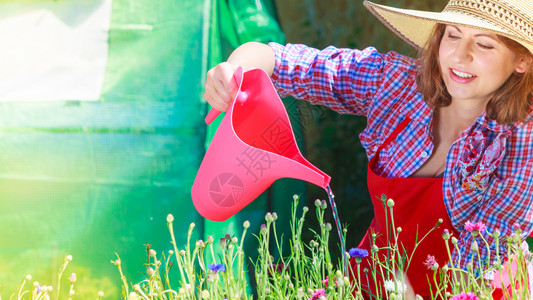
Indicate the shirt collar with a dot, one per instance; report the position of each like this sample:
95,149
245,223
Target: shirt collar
484,122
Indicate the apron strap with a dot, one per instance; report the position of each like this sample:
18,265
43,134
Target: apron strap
395,133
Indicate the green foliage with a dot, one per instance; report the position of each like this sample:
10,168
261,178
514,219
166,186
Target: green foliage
309,271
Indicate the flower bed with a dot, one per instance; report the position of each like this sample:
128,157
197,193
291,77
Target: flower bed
308,272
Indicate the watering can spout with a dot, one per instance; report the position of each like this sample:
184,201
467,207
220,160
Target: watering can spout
253,147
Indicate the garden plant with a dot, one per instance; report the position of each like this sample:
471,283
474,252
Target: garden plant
309,271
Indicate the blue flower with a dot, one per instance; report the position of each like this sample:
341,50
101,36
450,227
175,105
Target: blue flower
216,267
357,252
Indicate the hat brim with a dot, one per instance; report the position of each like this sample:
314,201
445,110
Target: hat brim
415,26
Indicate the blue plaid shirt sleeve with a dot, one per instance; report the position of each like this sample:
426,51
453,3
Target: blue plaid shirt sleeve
344,80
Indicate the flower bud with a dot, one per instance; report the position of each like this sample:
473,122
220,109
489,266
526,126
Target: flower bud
446,234
300,293
390,203
474,247
170,218
246,224
324,204
263,229
152,253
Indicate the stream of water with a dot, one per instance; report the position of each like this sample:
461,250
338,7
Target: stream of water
331,198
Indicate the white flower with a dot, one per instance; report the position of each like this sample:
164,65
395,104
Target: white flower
489,275
398,286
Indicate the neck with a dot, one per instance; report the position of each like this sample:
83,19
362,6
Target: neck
457,117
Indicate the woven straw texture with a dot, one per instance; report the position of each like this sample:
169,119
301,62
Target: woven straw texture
510,18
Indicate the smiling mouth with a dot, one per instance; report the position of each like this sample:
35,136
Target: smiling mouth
462,74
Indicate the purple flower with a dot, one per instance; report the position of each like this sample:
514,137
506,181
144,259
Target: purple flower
358,252
431,263
465,296
276,268
216,267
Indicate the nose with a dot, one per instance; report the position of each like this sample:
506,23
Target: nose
462,52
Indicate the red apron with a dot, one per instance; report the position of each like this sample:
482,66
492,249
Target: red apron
418,206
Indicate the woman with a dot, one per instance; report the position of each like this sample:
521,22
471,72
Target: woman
447,135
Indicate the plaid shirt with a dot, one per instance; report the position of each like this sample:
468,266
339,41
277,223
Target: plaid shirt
488,175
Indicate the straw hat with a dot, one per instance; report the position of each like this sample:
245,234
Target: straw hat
510,18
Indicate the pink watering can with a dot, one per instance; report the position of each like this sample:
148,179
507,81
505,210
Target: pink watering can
253,147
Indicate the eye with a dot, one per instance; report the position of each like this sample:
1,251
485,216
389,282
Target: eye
453,36
485,46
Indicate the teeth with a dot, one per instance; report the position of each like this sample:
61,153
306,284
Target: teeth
461,74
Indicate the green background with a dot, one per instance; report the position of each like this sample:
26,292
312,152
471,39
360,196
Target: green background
93,178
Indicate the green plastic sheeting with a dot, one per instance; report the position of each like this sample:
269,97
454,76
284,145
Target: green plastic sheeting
93,178
235,22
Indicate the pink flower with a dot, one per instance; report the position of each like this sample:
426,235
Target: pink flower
431,263
474,228
325,281
465,296
516,226
317,294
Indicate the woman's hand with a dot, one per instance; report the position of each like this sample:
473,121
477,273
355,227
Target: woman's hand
220,86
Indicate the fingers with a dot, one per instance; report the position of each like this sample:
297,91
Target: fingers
220,86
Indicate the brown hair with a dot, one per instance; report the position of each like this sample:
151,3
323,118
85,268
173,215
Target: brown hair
510,103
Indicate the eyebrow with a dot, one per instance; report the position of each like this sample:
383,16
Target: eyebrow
492,36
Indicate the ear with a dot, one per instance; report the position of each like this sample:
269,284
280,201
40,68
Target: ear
523,64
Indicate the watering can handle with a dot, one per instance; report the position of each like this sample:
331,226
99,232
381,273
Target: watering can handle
213,113
211,116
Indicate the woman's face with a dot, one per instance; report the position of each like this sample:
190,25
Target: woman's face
474,63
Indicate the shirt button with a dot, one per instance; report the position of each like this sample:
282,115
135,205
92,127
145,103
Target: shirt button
424,154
